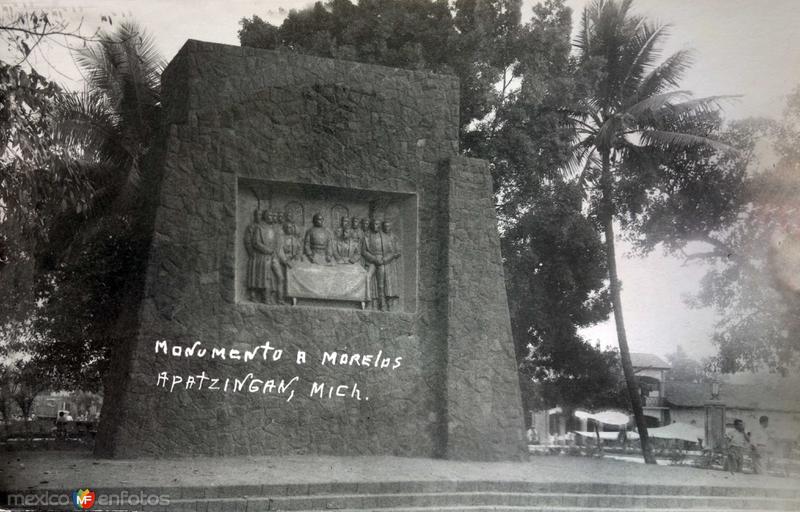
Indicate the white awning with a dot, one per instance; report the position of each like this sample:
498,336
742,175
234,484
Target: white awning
682,431
607,417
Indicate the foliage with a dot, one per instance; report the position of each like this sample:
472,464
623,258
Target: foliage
93,264
87,294
739,217
26,31
38,179
555,266
627,125
592,380
42,175
85,260
527,137
20,378
517,84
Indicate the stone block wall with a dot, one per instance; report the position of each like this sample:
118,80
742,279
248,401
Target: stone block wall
235,113
481,361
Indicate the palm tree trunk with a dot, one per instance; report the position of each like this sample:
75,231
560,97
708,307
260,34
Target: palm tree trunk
607,217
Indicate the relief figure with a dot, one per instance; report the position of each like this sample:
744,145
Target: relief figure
291,250
252,281
318,243
262,280
346,250
380,250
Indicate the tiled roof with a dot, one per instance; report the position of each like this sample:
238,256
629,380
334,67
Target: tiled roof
644,360
741,396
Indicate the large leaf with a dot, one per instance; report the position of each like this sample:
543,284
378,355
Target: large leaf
677,140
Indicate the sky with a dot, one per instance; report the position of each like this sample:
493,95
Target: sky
741,47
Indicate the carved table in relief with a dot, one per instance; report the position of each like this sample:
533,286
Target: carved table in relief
336,282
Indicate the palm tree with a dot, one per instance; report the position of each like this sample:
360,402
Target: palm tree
631,115
108,129
112,122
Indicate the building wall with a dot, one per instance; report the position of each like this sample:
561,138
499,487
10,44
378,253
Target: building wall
784,425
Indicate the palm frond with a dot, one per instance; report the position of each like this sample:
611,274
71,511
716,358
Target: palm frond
579,154
102,71
701,105
624,8
84,124
678,140
656,103
583,40
592,163
126,67
643,51
671,112
666,75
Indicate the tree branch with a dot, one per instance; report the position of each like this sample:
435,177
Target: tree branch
34,33
701,255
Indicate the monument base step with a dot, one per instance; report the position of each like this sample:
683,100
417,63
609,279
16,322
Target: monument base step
448,496
480,501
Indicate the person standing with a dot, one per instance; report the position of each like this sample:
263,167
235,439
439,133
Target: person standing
252,281
380,249
262,278
290,251
761,440
391,251
355,230
373,258
738,442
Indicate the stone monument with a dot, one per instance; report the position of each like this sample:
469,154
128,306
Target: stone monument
323,275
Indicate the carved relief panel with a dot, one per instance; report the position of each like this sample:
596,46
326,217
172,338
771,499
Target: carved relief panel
301,245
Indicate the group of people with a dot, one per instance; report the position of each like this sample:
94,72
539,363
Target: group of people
273,246
756,443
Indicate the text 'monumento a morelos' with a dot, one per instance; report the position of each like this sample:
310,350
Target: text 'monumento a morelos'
323,275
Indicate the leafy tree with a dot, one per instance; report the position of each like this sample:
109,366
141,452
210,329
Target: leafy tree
40,176
731,213
94,260
517,86
20,377
38,179
555,273
627,123
70,187
23,32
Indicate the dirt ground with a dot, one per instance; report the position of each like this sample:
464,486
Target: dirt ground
60,470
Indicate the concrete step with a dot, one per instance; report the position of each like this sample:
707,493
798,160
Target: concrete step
526,509
481,501
476,496
416,487
448,486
